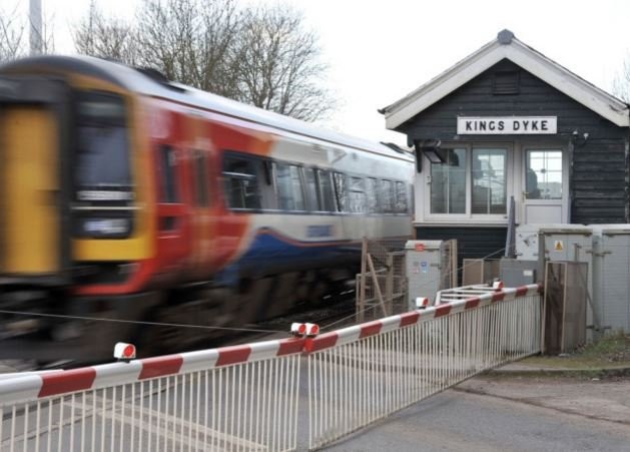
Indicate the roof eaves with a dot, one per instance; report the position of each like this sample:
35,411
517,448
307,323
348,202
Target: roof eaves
582,91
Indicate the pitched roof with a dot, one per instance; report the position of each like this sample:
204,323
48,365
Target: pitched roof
506,46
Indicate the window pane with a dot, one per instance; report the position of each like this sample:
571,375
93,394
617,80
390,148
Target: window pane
544,175
370,193
168,161
296,188
488,181
357,200
401,197
102,142
327,192
201,178
312,192
241,183
341,191
386,196
448,183
289,187
283,186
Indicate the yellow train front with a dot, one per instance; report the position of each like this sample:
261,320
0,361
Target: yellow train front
73,220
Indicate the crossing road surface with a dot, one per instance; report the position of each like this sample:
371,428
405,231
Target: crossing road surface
457,421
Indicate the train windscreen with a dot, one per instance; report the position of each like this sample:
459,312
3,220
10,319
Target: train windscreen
102,143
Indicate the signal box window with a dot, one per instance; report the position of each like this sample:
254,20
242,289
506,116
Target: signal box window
168,161
241,183
448,183
289,187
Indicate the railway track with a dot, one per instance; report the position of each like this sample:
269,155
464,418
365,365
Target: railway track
337,310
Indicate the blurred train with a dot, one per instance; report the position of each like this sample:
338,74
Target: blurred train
126,196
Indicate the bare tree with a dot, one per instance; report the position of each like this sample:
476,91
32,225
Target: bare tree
262,56
105,37
621,82
12,35
279,64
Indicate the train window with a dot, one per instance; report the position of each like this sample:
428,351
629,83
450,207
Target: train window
326,191
102,141
201,178
312,191
168,162
401,197
241,183
371,190
341,191
357,200
386,196
289,187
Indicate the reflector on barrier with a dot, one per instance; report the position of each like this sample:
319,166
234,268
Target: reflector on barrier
422,302
124,351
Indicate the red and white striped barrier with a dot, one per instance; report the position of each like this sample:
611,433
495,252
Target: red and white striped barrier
246,397
484,296
46,384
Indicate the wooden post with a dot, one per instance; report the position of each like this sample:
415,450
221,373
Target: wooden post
377,287
389,284
361,301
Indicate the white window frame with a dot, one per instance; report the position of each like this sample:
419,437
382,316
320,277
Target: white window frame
423,182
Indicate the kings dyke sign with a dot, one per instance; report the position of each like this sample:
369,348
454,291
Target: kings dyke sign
507,125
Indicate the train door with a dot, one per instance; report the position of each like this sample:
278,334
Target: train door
202,224
34,235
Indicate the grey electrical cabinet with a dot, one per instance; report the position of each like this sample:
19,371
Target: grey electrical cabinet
431,266
611,276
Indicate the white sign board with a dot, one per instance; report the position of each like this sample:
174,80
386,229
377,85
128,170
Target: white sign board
507,125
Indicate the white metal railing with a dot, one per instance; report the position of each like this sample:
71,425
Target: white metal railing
246,398
235,398
364,373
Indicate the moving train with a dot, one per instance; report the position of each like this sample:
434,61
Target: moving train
128,197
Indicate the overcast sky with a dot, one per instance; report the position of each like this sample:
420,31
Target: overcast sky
378,51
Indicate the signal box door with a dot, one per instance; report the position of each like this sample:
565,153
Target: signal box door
34,184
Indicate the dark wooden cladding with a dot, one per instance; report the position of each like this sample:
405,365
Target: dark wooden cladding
599,174
535,98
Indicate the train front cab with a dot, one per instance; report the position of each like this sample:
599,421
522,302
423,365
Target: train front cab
74,229
34,219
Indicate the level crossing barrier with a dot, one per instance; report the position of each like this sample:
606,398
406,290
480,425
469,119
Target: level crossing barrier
248,398
364,373
233,398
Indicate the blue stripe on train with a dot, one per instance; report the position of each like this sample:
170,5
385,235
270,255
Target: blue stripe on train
270,249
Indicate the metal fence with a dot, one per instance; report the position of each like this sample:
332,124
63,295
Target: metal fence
361,374
239,398
246,398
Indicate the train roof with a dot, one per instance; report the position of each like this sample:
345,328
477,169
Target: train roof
142,82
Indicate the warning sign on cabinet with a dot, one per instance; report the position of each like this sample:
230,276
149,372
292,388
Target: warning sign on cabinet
558,245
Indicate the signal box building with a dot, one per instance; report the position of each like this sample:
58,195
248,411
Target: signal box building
507,122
